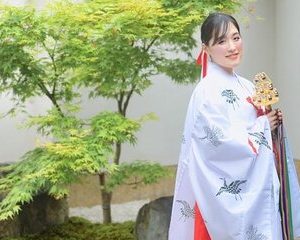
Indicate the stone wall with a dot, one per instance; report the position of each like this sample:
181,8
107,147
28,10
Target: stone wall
87,193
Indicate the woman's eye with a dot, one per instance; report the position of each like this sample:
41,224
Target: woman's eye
237,38
221,42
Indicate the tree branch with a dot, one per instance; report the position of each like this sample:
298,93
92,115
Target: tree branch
151,44
50,96
117,153
125,105
51,55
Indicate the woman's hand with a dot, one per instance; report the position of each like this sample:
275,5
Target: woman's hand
275,118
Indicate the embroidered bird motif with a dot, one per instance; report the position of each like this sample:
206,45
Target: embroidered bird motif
213,135
185,210
253,234
231,97
232,188
260,139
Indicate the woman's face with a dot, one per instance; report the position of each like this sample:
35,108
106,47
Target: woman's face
227,52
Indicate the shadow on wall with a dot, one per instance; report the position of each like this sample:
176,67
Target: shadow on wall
87,193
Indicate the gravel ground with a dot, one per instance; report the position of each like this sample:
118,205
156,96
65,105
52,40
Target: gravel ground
120,212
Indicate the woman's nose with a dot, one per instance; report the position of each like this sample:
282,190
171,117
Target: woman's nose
231,46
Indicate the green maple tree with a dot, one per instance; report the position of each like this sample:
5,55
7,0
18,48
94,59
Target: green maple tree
111,47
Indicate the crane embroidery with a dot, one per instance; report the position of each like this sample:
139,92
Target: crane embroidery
185,210
252,234
232,188
260,139
231,97
213,135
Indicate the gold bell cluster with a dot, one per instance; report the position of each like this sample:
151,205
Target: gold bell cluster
265,93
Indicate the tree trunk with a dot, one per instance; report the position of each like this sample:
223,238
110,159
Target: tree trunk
107,196
118,150
106,200
106,206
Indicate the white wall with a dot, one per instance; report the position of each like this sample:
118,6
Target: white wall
14,2
288,66
160,140
258,37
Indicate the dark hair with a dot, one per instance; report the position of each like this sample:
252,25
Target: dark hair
214,24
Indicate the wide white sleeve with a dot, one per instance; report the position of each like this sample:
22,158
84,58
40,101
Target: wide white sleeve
219,136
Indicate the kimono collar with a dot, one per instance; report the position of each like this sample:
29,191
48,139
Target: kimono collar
214,69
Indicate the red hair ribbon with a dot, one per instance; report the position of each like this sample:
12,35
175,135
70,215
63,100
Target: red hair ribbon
202,60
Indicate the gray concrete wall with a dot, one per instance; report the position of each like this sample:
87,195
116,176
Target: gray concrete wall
14,2
288,66
258,35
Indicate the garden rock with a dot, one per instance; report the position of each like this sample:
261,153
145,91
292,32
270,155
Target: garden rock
10,228
43,212
153,220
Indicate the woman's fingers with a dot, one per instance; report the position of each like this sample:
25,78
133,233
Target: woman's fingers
272,115
279,115
275,118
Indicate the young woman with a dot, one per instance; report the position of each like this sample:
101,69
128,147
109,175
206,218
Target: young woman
227,185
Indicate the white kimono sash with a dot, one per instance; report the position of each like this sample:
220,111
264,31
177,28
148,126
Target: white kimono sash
227,167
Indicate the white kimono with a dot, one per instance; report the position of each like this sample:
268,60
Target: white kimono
227,166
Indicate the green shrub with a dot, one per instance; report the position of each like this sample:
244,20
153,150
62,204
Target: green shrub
80,229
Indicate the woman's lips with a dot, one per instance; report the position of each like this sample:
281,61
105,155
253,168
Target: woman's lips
233,56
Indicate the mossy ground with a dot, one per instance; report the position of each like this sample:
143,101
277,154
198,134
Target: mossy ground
81,229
